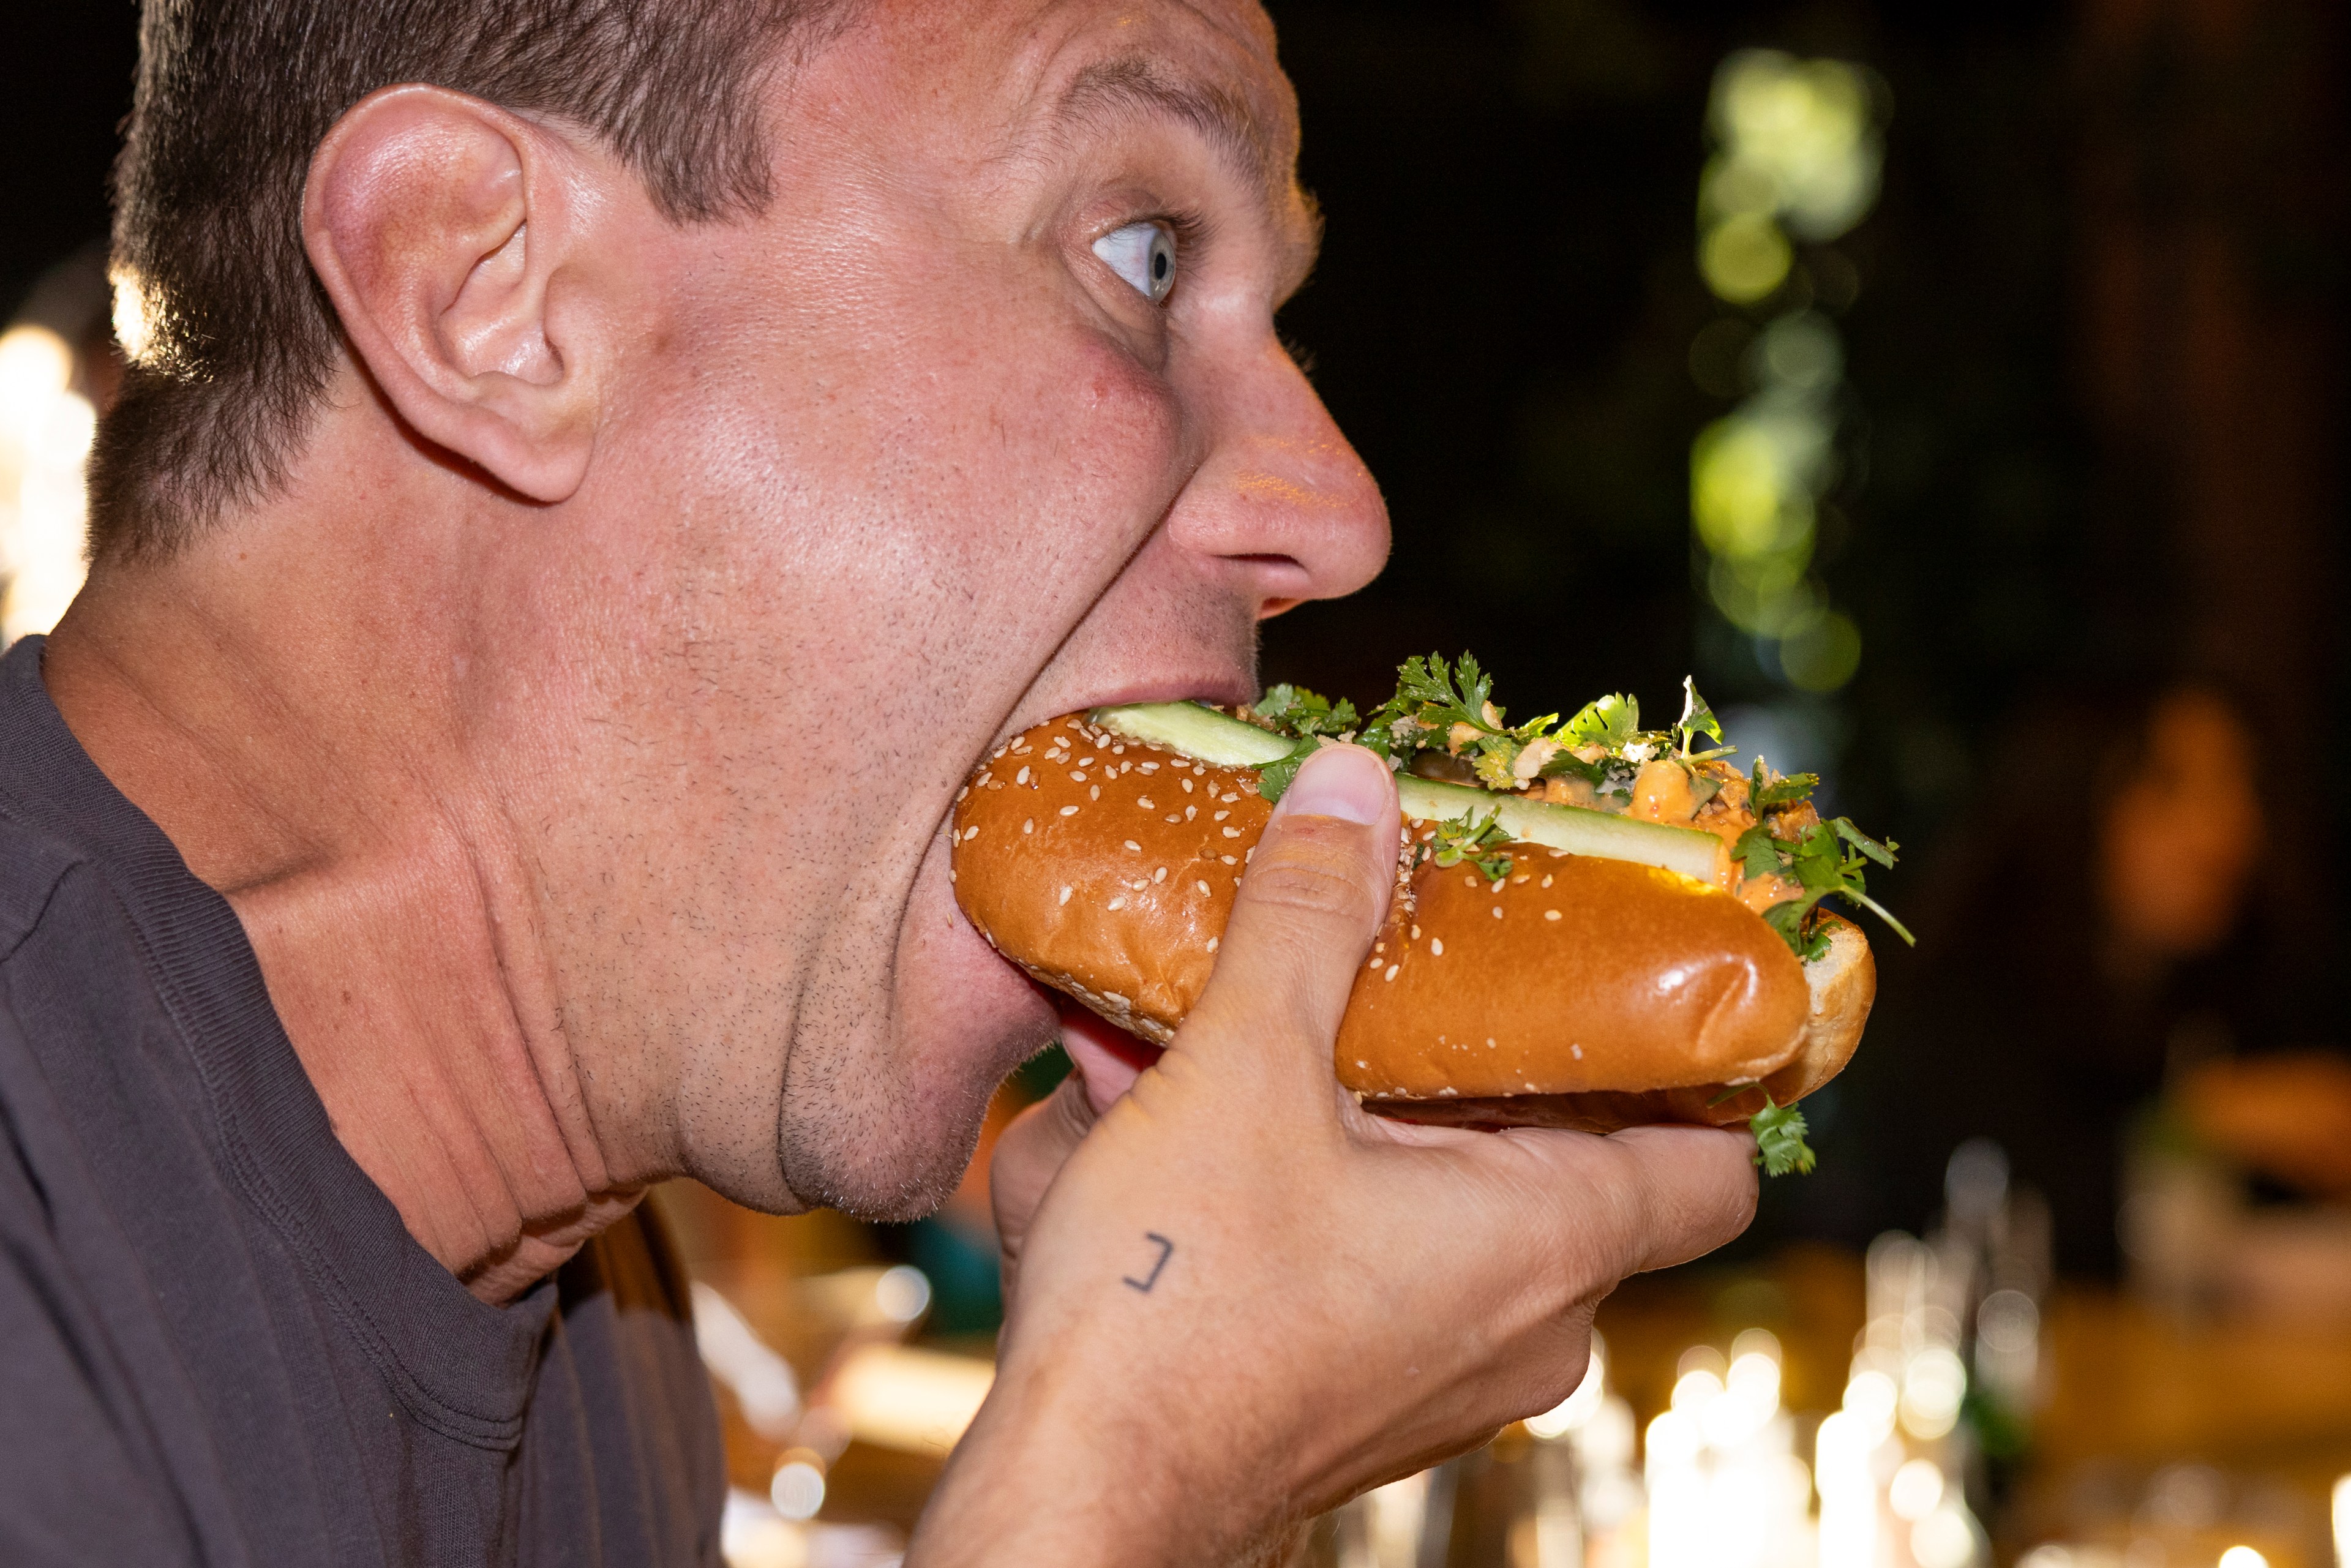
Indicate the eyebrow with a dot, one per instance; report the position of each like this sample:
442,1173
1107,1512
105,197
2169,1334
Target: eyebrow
1257,152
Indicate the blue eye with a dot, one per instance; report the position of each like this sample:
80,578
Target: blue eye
1145,255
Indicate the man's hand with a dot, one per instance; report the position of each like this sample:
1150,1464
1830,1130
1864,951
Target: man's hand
1242,1299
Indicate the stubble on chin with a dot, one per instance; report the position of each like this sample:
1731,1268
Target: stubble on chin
877,1145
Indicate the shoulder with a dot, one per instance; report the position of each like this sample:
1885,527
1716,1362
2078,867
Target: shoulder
32,866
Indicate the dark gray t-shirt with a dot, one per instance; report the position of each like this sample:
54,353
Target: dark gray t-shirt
218,1344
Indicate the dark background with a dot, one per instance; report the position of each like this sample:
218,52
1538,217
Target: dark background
2090,448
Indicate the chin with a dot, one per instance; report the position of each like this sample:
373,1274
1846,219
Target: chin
882,1127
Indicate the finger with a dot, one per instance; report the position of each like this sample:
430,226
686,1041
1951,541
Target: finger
1107,1058
1029,1154
1646,1197
1315,892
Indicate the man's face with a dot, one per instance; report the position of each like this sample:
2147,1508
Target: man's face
905,464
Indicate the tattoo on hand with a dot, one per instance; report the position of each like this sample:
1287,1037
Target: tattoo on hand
1166,1251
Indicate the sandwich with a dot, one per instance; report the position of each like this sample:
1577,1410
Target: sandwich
1595,926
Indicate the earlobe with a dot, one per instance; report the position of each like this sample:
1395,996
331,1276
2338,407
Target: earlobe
438,225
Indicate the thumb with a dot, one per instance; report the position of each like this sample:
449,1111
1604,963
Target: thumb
1315,892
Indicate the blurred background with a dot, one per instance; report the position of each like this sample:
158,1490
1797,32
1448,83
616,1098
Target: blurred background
1957,392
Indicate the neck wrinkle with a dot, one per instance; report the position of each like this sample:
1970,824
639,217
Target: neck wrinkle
389,905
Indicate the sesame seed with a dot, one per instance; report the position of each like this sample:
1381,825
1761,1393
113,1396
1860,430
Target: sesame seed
1159,875
1077,774
1576,1051
1437,947
1232,832
1190,812
1028,825
1546,881
1151,768
1498,912
1497,887
1392,970
1213,941
1227,860
1187,785
1558,855
1068,810
1065,895
1119,903
1136,847
1093,791
961,794
1220,816
1471,878
950,873
1379,947
1228,800
1118,750
1174,817
1145,803
1201,886
1416,933
1360,1062
1247,856
1551,915
1021,777
1518,879
971,832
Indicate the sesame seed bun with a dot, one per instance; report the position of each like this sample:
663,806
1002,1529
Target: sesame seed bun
1575,991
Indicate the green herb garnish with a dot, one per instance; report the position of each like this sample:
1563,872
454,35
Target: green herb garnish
1780,1145
1447,705
1466,837
1829,860
1297,711
1274,778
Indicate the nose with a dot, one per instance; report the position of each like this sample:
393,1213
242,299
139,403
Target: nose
1280,500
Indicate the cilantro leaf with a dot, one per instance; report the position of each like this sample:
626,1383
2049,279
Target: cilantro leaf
1275,777
1304,713
1697,718
1493,764
1829,861
1611,721
1789,792
1758,852
1464,838
1780,1145
1882,853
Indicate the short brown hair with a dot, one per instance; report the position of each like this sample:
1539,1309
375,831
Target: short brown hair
235,94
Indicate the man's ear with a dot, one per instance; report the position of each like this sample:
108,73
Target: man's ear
441,226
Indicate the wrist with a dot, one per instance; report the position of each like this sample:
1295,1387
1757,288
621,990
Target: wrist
1062,1468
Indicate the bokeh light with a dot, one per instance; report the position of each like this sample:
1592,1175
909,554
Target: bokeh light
46,429
1798,158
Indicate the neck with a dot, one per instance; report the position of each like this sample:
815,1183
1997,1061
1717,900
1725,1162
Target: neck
315,779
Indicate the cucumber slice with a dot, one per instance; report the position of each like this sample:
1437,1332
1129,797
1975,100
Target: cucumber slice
1196,730
1574,829
1201,732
